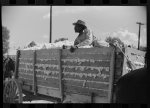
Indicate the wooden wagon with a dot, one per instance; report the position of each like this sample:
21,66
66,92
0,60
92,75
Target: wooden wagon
86,76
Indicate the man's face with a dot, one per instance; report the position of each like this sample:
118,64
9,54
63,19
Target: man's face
78,28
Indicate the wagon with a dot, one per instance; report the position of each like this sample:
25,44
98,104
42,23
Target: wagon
88,75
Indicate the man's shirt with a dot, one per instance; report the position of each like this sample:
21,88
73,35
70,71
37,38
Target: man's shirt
84,38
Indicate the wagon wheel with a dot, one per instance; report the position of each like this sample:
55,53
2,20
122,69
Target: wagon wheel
12,92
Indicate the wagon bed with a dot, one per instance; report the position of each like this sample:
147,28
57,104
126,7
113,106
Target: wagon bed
88,75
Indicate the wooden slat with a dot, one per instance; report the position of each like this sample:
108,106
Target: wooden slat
87,56
87,78
26,81
88,84
98,99
50,73
28,76
49,91
79,51
47,67
60,75
26,60
26,54
48,80
87,63
88,53
111,78
48,83
25,66
86,70
77,98
47,54
34,74
85,91
47,61
27,88
23,70
41,77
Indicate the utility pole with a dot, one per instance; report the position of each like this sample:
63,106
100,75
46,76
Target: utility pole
139,33
50,38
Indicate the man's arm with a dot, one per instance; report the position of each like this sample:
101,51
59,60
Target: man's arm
88,40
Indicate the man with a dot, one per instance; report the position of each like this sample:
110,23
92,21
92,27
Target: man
9,67
132,87
85,36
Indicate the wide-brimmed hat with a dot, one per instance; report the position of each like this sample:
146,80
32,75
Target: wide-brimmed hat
80,22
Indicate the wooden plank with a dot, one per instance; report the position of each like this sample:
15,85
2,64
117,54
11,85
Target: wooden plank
111,78
76,98
17,64
50,83
87,70
47,54
87,56
47,67
48,73
34,74
23,70
26,60
47,61
98,99
23,75
39,77
101,79
84,91
27,88
26,66
60,75
49,91
87,63
26,81
79,51
26,54
80,83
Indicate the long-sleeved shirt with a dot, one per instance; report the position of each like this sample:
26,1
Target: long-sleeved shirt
84,38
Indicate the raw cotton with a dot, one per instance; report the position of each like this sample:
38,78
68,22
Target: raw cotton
59,45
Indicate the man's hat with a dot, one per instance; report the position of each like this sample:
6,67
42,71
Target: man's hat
80,22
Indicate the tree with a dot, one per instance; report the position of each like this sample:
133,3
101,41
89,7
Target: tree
5,38
113,39
60,39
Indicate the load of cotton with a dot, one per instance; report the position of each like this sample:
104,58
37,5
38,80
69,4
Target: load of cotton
50,45
60,44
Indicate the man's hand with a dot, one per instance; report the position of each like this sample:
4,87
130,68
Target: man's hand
73,48
64,47
76,42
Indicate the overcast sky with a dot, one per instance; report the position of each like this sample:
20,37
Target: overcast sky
31,23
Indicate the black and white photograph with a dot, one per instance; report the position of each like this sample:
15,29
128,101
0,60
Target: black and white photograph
74,54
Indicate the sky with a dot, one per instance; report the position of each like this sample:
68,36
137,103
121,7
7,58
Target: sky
32,23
